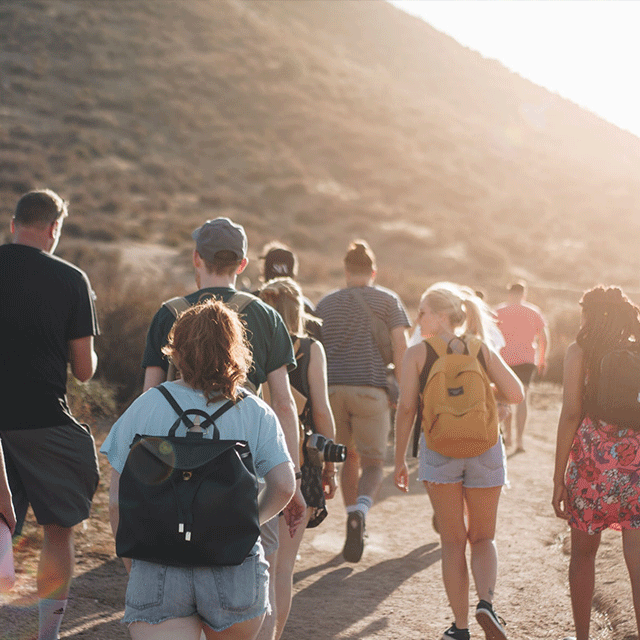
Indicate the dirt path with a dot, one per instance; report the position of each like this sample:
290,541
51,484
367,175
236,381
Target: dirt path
395,591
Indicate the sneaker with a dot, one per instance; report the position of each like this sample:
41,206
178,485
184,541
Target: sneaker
354,544
455,633
491,624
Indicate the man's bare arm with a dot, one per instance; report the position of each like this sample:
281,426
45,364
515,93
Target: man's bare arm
153,376
83,358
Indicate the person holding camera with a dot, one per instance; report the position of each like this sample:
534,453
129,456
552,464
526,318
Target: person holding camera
319,453
167,600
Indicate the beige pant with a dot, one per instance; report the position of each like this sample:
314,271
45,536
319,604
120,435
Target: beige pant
362,418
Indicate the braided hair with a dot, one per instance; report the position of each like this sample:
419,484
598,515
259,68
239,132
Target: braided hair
609,321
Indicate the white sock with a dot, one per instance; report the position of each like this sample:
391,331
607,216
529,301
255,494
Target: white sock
364,503
51,613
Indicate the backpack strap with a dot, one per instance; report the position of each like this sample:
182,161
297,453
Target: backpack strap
174,404
240,300
209,419
299,377
176,305
432,356
373,321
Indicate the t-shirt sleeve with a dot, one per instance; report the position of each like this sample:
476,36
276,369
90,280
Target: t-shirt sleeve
398,316
281,352
84,320
541,323
271,447
118,442
157,338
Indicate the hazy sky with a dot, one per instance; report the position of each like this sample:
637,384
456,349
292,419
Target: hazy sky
585,50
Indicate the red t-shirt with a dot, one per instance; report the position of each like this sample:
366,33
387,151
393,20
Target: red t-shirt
520,324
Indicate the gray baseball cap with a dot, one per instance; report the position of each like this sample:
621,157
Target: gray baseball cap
220,235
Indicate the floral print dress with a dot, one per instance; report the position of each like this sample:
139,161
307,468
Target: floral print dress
603,478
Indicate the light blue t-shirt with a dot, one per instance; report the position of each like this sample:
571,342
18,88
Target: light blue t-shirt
150,414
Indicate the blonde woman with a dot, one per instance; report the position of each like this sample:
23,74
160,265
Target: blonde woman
447,310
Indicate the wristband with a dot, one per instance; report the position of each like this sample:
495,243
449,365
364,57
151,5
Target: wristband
298,475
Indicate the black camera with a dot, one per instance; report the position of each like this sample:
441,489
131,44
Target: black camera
320,449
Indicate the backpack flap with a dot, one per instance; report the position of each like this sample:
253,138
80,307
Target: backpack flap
188,501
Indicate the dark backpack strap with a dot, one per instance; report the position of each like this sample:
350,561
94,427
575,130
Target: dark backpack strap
299,377
432,356
209,419
176,407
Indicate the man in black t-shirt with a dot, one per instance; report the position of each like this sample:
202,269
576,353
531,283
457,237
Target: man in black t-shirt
47,320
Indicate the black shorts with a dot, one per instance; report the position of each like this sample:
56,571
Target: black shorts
525,372
53,469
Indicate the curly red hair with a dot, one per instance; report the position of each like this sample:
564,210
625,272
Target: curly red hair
209,346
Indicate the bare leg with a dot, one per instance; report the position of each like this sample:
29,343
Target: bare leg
57,560
268,625
184,628
506,428
287,552
349,476
582,575
631,550
448,505
371,478
482,505
521,419
246,630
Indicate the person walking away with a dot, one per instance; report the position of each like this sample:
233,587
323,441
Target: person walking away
455,317
281,262
309,381
358,383
48,319
526,346
597,462
219,256
225,602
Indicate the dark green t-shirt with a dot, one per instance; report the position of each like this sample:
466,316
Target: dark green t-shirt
268,337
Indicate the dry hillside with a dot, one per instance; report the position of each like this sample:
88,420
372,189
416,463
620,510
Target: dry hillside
312,122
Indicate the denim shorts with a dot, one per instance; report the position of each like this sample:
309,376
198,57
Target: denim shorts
489,469
220,596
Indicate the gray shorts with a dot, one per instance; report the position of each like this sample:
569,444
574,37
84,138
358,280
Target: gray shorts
269,536
55,470
489,469
220,596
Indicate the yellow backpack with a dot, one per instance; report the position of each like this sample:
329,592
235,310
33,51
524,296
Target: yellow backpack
458,406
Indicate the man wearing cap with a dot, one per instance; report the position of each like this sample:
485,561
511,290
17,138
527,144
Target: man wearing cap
220,255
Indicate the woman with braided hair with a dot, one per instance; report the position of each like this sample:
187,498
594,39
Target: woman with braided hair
597,463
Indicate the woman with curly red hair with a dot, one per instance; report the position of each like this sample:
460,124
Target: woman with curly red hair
208,346
597,463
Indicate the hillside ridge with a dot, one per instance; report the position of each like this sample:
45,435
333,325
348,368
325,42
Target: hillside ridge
312,122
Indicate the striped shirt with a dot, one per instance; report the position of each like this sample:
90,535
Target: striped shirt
352,355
